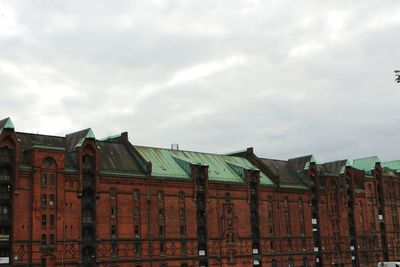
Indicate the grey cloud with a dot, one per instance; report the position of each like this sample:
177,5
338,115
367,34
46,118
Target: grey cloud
315,78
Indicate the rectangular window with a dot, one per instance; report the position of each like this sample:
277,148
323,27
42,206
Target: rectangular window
113,212
44,221
136,230
43,180
136,213
52,180
183,248
183,230
44,239
113,231
161,230
138,248
162,247
113,250
51,239
51,220
51,200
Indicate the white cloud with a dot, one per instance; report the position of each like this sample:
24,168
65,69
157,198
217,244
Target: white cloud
287,78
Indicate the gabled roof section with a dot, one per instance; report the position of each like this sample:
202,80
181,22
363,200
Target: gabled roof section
366,164
76,139
176,164
393,165
6,124
301,163
116,158
162,162
288,176
30,140
333,167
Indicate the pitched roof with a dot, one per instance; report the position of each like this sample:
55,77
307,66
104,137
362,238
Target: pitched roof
333,167
290,172
76,139
171,163
6,124
394,165
115,157
366,164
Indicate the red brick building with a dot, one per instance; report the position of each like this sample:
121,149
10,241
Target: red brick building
79,201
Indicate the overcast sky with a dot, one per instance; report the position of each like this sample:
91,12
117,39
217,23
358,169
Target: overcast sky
289,78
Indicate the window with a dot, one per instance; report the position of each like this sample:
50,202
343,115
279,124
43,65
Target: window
43,180
136,195
161,212
162,247
227,197
51,200
181,212
231,257
160,196
113,193
44,221
181,197
290,245
136,213
138,248
286,202
113,231
113,250
136,230
183,248
51,239
230,238
182,230
303,245
270,214
113,212
44,239
44,200
305,262
52,180
161,230
4,212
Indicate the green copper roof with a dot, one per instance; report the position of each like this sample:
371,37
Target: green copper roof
176,164
394,165
90,134
367,164
348,164
312,160
9,124
6,124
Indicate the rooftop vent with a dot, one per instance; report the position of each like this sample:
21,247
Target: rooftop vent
175,146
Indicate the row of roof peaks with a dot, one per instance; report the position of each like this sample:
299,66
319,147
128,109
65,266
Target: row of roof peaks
118,157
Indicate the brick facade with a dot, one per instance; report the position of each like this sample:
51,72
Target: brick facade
78,201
